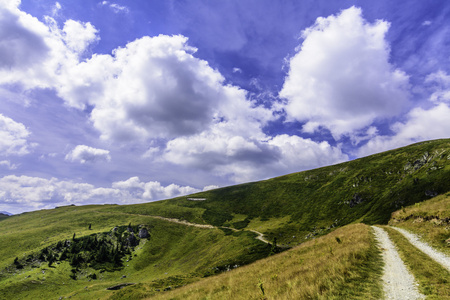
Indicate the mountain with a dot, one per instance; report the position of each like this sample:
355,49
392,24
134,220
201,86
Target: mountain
80,251
5,213
303,205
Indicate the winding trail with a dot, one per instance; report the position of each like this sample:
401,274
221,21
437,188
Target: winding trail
183,222
260,236
186,223
434,254
398,283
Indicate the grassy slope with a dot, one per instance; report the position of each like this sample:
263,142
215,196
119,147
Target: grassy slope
311,203
429,219
175,254
319,269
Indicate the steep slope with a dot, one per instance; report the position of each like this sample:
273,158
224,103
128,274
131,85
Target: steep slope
342,265
429,219
311,203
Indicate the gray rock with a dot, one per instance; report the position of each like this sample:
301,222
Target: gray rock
143,233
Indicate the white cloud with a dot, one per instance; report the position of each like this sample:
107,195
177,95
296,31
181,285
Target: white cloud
78,36
210,187
154,91
426,23
19,193
36,54
181,96
440,84
13,137
152,190
115,7
21,42
7,164
421,124
341,78
243,158
56,8
83,154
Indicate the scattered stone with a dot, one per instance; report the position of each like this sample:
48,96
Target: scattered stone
356,199
143,233
123,276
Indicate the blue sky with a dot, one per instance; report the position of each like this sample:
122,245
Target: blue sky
135,101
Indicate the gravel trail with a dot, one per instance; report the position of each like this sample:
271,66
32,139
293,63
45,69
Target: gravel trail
398,283
434,254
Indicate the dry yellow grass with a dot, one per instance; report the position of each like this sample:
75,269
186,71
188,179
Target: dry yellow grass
335,266
429,219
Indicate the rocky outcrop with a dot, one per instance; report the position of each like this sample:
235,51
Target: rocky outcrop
356,199
119,286
143,233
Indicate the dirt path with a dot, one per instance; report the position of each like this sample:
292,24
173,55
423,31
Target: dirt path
183,222
260,236
434,254
398,283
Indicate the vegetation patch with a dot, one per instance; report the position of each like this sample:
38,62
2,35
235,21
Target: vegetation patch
100,251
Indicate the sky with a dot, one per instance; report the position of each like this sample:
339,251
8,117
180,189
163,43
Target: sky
135,101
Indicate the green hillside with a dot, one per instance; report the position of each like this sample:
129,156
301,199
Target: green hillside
82,251
429,219
311,203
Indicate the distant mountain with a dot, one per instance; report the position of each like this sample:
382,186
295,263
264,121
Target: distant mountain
5,213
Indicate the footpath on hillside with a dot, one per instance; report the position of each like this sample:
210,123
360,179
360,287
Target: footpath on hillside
434,254
398,283
186,223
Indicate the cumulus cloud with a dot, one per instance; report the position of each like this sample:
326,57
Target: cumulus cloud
341,78
36,54
155,89
13,137
21,42
247,159
83,154
182,95
421,124
35,193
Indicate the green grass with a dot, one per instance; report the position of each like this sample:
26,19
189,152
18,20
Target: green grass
319,269
429,219
433,279
177,251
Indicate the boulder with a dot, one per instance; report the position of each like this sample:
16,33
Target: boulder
143,233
